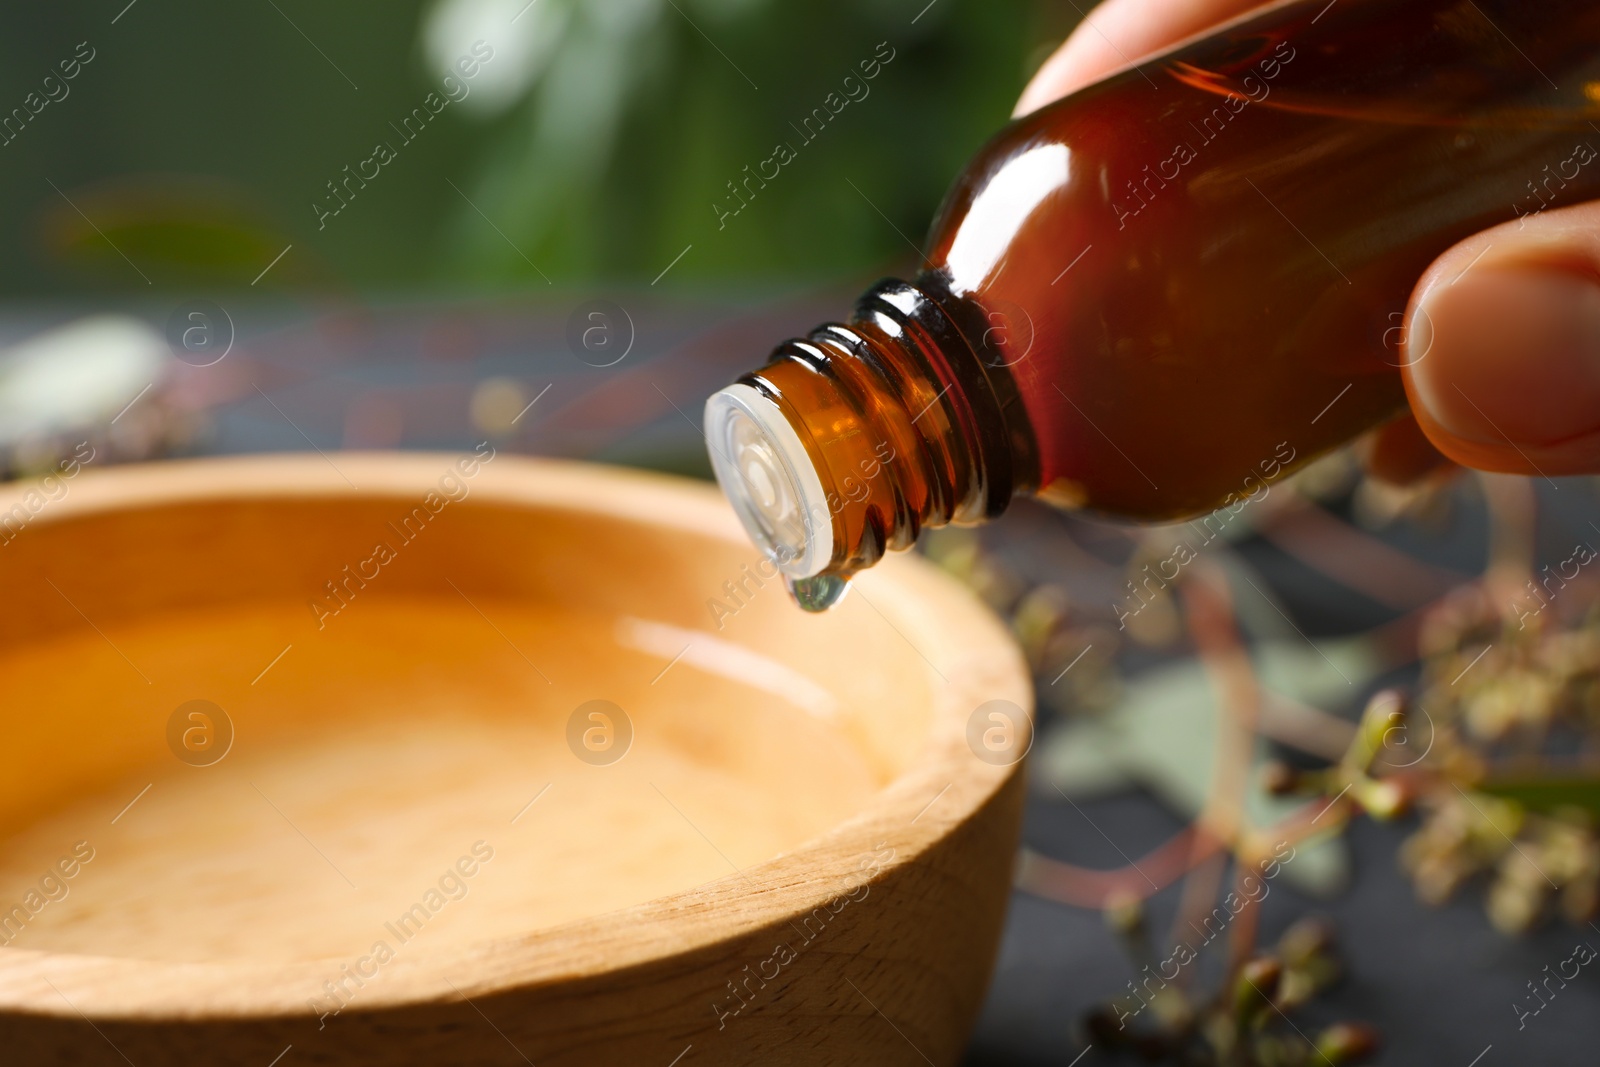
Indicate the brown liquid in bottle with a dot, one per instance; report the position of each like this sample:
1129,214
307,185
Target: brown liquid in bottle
1150,297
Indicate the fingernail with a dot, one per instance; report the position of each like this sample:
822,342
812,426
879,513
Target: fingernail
1508,356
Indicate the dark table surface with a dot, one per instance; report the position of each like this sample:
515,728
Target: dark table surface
1440,983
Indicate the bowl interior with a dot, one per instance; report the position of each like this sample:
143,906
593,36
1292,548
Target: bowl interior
397,741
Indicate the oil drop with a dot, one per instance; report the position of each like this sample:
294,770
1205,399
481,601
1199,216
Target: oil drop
819,593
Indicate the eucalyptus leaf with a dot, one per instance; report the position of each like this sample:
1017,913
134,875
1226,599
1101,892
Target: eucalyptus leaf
1162,736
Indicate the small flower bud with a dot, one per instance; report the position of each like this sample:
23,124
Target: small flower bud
1381,798
1347,1043
1257,985
1124,914
1306,941
1384,717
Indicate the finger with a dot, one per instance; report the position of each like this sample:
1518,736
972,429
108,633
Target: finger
1503,346
1399,453
1119,33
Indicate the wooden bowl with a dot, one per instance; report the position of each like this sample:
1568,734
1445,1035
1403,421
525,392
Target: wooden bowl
302,760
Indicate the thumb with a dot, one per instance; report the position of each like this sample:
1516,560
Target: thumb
1118,34
1503,346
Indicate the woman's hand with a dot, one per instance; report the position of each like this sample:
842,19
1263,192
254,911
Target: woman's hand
1503,330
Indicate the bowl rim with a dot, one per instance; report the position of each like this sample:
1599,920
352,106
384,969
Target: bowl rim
944,785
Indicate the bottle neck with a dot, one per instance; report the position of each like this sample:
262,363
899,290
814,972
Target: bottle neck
855,438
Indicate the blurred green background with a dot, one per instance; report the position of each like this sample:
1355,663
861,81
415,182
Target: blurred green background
593,146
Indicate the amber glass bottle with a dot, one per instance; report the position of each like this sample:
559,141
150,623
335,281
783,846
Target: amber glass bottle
1182,280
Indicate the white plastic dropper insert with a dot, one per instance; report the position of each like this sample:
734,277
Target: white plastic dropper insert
769,478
